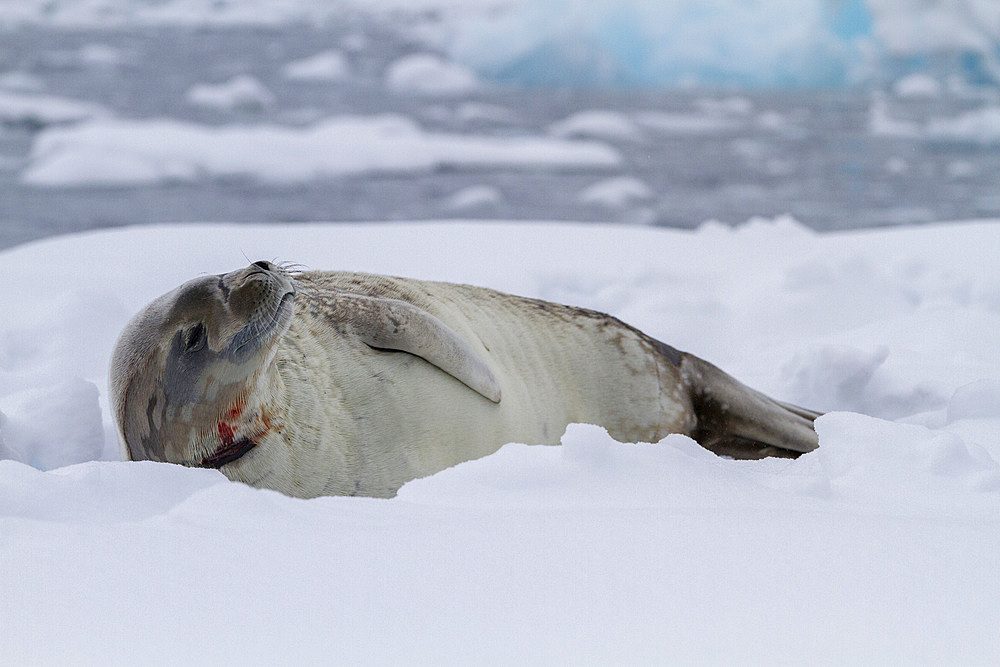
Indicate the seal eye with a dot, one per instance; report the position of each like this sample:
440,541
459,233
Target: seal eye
195,338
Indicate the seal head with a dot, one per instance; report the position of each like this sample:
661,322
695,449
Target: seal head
190,373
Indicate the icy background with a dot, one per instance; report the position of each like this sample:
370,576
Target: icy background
582,126
844,114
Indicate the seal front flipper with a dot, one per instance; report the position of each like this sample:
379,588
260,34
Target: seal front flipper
735,420
391,324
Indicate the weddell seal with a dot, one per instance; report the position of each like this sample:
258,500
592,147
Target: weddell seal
332,383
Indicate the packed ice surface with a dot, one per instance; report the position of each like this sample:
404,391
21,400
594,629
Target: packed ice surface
770,43
883,546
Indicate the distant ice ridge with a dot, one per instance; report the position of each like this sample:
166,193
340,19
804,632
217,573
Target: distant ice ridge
770,43
635,43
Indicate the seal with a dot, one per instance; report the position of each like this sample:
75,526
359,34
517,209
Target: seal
336,383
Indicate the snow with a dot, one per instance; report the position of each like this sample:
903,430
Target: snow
325,66
117,152
880,547
429,74
242,92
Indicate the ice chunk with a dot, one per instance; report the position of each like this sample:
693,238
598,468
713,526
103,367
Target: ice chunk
917,85
475,198
136,151
429,74
242,92
326,66
619,192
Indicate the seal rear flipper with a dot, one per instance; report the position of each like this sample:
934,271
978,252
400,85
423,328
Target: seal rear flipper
735,420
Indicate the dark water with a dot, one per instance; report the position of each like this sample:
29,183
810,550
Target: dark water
811,155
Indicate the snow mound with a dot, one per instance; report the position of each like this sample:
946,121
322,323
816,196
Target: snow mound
119,152
326,66
68,414
429,74
241,93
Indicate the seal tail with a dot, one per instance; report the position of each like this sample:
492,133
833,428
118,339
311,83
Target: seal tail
737,421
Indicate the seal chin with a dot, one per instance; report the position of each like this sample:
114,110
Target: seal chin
227,453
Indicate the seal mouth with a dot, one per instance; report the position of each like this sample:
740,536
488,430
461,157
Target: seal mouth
227,453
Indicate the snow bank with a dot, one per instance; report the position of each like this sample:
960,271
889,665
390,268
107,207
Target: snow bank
880,547
117,152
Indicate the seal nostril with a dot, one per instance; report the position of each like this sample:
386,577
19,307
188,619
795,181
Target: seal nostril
264,264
